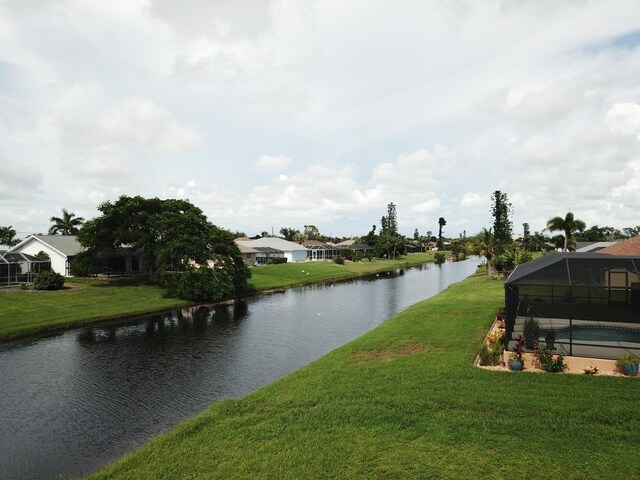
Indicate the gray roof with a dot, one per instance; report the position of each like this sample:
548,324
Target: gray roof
272,242
582,247
66,244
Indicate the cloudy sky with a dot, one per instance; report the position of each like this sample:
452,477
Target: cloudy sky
268,114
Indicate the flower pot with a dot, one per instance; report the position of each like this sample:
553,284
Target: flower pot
630,369
516,365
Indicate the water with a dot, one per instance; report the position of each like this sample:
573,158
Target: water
600,334
74,401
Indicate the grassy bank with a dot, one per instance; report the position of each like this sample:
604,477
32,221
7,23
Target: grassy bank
289,274
81,301
85,301
404,401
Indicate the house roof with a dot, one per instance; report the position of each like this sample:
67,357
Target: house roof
65,244
566,263
593,246
245,249
346,243
625,248
272,242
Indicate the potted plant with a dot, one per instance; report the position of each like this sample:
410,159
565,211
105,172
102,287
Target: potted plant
515,358
628,364
531,331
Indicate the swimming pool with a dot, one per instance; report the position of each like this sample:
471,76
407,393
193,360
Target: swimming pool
599,334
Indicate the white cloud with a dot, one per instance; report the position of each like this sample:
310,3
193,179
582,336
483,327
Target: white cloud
474,200
624,118
272,163
140,121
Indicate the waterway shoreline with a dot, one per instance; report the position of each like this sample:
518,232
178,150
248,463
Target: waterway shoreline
97,321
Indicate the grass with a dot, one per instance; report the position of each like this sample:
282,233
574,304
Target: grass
404,401
289,274
26,312
84,301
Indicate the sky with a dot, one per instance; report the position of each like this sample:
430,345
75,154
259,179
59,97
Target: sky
269,114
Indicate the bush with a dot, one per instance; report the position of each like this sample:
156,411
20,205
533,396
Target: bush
439,257
83,264
278,260
548,362
491,355
48,280
338,260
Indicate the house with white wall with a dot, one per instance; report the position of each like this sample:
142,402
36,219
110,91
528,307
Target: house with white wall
293,252
60,248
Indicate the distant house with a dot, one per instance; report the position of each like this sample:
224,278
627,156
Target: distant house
320,250
269,247
248,254
60,248
63,248
625,248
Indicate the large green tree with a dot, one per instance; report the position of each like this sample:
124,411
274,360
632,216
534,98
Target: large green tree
501,210
569,225
485,243
390,242
68,224
173,236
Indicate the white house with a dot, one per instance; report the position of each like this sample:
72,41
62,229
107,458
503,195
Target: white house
60,248
293,252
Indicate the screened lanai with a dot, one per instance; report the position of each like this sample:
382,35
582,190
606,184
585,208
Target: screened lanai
16,268
586,304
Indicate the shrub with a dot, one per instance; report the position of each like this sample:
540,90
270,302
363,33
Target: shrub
439,258
278,260
491,355
338,260
48,280
548,362
42,255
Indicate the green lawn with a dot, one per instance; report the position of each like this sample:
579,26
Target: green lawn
404,401
90,300
288,274
82,301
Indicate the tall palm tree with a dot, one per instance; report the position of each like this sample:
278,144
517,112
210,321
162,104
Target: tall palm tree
569,225
68,224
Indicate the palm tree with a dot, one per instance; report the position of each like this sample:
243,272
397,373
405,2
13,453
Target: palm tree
7,236
486,244
68,224
569,225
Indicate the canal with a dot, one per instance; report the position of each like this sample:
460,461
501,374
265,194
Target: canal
72,402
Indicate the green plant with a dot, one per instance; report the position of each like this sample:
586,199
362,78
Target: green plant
278,260
23,286
531,331
338,260
548,361
491,355
48,280
439,258
627,362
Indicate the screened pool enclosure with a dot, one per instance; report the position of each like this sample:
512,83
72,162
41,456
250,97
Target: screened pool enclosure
16,268
585,304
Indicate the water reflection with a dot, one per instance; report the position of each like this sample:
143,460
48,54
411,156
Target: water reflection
72,402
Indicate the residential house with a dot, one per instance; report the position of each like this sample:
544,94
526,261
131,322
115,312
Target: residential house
269,247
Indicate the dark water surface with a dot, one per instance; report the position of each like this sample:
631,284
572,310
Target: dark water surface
74,401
